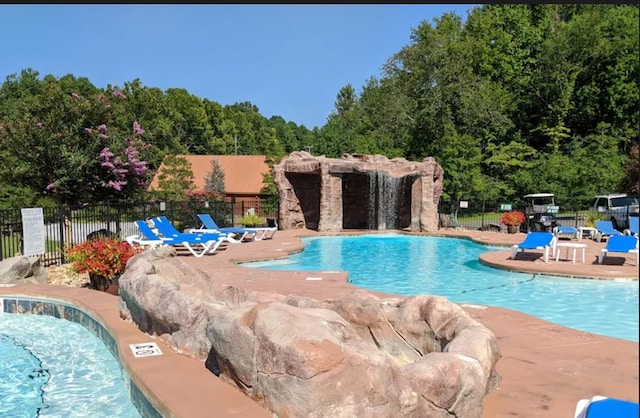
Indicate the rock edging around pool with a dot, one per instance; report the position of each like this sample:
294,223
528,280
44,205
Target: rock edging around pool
357,355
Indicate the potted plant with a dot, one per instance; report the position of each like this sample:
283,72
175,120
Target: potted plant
104,259
512,220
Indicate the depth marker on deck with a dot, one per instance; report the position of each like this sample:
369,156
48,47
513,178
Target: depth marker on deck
145,349
314,278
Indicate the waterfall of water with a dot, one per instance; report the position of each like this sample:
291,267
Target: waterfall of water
385,194
372,221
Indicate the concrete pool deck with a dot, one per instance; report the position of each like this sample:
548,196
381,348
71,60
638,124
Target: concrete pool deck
545,367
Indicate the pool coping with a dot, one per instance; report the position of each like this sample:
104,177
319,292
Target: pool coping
173,384
57,308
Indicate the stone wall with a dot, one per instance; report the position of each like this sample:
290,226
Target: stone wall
355,356
358,192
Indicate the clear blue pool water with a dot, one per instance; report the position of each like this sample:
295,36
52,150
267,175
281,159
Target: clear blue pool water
412,265
51,367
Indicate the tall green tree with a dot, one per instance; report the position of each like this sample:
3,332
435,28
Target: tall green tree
214,179
175,179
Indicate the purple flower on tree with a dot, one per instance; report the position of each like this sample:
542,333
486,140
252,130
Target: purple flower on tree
108,164
88,130
138,168
39,124
106,154
119,94
137,130
123,168
75,95
115,185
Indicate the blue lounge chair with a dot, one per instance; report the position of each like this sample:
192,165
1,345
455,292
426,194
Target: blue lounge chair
633,226
603,407
565,231
259,233
620,244
234,235
206,243
606,229
166,228
535,241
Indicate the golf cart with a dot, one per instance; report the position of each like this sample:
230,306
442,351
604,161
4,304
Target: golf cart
540,210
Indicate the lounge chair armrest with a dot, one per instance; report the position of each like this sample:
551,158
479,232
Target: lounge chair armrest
137,240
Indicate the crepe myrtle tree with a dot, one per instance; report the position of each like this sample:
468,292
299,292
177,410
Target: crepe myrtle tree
111,166
107,169
72,147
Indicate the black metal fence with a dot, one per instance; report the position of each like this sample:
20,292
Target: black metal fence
65,226
486,216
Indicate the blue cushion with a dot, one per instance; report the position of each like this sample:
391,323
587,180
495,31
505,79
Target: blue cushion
610,407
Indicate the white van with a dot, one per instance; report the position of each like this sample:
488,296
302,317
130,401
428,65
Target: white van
616,207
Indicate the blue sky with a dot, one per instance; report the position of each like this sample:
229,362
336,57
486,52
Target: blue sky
288,60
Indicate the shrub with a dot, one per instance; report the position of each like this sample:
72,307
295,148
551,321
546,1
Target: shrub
106,257
251,219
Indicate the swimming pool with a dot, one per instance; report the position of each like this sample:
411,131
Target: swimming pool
52,367
57,360
411,265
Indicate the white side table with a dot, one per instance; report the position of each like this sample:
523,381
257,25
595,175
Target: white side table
584,229
571,246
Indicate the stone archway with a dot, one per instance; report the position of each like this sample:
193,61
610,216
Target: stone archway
358,192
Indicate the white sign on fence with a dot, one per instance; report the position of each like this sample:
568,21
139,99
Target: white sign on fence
33,231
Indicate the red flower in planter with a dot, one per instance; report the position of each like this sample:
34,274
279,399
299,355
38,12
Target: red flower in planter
513,218
106,257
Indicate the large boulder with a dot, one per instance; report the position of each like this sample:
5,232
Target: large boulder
358,355
21,269
165,297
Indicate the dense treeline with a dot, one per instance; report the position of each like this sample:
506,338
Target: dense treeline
517,99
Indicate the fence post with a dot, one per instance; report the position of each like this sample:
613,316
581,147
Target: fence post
2,237
483,211
118,215
108,217
233,210
61,220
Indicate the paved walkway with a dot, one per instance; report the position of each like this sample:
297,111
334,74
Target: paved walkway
545,367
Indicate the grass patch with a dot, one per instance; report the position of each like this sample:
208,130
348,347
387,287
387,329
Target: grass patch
11,245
